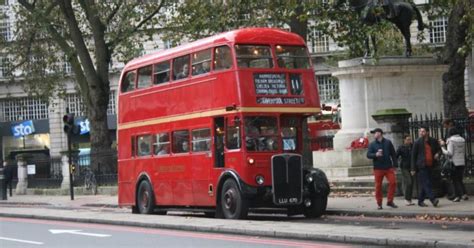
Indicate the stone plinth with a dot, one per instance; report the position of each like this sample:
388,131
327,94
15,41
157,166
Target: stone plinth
22,174
345,163
368,85
393,123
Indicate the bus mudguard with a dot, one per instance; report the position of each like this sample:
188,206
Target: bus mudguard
320,184
246,189
141,177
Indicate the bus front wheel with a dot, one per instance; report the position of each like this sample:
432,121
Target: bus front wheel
145,198
233,204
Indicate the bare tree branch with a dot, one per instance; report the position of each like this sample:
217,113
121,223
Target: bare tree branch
121,36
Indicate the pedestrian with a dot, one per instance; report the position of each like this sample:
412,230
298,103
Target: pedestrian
404,155
425,154
455,149
447,125
8,174
383,155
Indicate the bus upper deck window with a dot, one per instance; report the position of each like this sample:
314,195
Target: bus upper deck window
249,56
144,77
292,57
181,67
222,58
128,82
201,62
162,73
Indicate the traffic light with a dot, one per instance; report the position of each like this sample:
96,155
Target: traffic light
68,120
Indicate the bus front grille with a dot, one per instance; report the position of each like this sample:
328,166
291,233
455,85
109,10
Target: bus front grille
287,179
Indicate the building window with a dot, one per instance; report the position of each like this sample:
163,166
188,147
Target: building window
111,107
5,67
25,108
328,88
438,30
75,104
66,66
5,30
319,41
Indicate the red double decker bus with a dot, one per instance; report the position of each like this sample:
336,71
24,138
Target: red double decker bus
217,126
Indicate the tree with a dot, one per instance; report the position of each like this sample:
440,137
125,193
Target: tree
88,34
196,19
457,48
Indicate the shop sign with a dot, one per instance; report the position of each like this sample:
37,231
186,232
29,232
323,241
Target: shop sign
23,129
83,125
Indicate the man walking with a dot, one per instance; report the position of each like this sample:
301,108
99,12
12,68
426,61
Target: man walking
425,152
8,173
383,155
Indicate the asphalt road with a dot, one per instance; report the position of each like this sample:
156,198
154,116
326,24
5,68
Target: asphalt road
15,232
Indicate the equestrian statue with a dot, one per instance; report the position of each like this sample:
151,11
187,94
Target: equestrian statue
397,12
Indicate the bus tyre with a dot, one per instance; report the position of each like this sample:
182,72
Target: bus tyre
317,208
145,198
233,204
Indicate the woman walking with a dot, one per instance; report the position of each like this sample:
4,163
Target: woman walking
456,151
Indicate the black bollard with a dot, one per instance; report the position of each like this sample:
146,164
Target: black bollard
3,185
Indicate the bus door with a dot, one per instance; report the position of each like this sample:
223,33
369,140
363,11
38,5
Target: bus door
202,163
233,142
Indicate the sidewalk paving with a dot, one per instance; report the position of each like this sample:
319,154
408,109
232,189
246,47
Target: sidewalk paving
84,209
336,205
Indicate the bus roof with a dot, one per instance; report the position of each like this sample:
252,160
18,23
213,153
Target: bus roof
244,36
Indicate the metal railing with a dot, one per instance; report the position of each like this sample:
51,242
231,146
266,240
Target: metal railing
435,124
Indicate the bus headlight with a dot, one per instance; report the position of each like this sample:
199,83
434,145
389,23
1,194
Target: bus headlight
309,178
250,161
259,179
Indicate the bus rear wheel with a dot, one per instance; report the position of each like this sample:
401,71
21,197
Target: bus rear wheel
233,204
317,208
145,198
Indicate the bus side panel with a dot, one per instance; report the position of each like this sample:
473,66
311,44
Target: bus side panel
126,186
202,163
180,172
126,171
162,182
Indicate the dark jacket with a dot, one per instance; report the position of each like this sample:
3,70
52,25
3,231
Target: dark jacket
418,153
389,156
8,173
404,153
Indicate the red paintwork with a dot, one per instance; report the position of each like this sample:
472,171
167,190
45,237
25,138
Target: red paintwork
209,92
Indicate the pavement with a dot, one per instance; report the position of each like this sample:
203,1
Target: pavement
103,209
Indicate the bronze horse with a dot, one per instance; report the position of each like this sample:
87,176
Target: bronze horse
397,12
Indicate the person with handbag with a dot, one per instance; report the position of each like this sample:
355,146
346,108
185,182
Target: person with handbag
455,150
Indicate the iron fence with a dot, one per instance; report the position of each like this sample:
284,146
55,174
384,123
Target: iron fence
48,170
435,124
105,171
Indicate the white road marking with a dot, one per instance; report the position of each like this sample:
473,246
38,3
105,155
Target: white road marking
79,232
22,241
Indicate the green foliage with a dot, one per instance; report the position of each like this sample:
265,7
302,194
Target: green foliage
41,48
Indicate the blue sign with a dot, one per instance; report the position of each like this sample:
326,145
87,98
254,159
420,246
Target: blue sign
83,125
23,129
